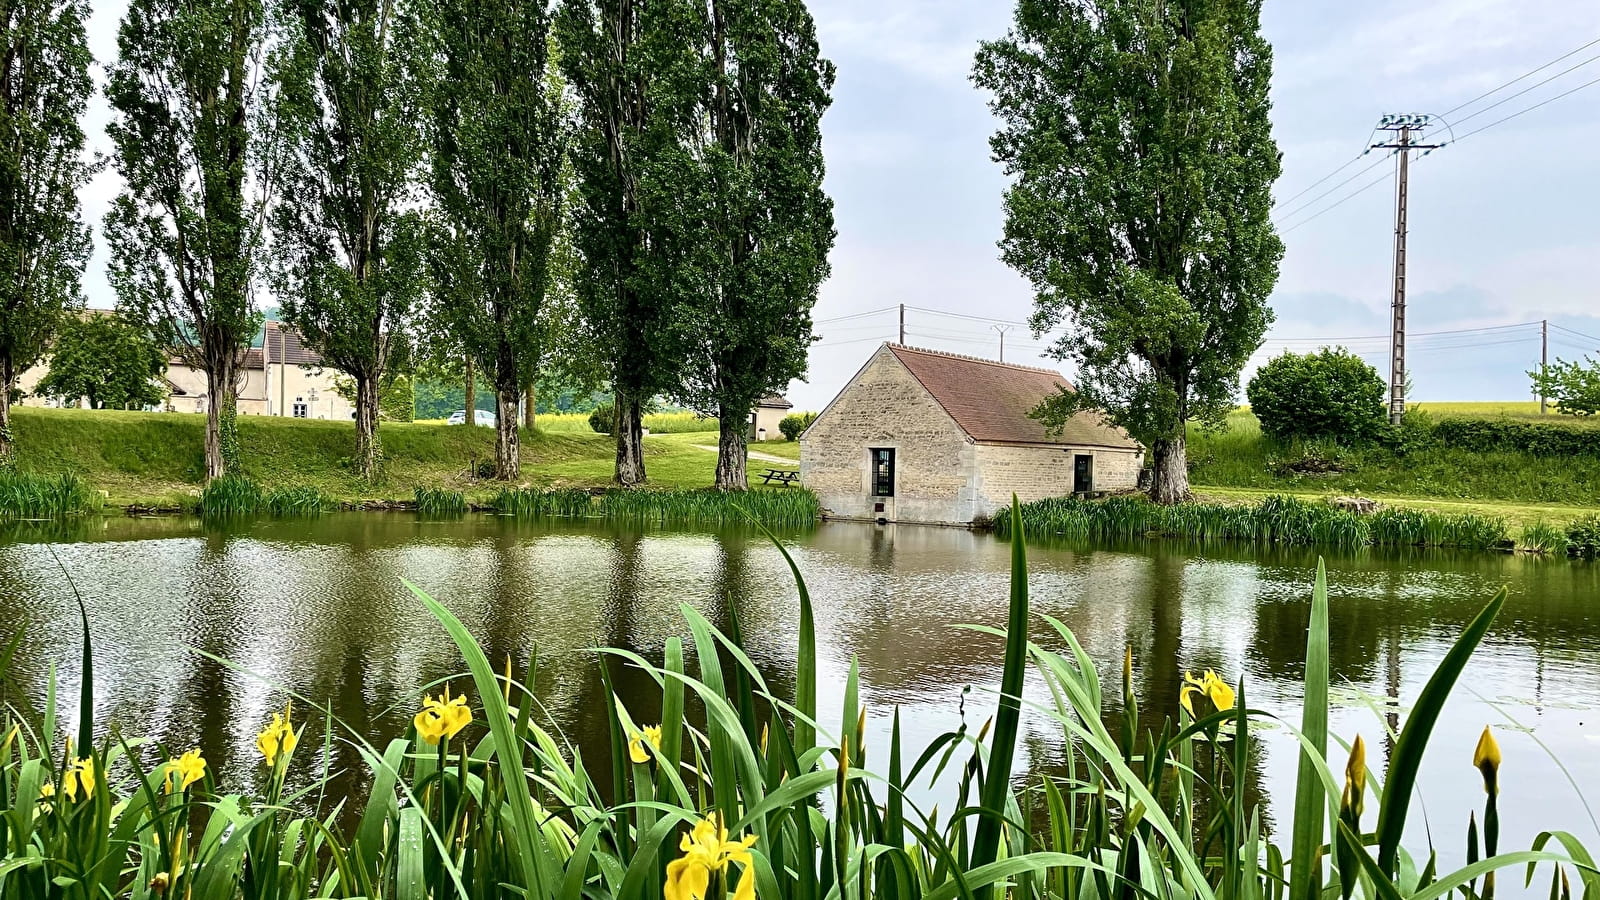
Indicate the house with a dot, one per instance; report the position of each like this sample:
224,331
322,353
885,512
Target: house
278,376
938,438
765,417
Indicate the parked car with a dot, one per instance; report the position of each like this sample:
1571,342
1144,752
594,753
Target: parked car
483,417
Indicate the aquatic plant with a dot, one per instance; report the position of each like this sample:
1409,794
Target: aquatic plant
1275,520
440,502
1542,537
753,797
230,496
24,495
786,508
303,500
1583,537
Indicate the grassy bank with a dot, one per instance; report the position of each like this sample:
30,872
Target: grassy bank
155,459
1241,457
759,796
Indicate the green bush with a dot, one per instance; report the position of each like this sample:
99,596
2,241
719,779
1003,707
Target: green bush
604,419
1330,394
795,424
1538,438
1574,386
1583,537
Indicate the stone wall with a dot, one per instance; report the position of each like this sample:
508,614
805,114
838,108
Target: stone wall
884,406
1034,472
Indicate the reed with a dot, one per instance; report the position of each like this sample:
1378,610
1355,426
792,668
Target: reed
24,495
533,503
297,501
230,496
785,508
1275,520
752,796
439,502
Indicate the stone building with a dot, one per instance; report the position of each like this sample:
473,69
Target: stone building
929,437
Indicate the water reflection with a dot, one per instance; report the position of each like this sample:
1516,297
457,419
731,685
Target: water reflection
319,608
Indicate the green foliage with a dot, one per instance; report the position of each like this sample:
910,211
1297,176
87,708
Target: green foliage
301,500
639,80
603,419
1331,394
396,400
230,496
786,508
440,502
1583,537
794,424
1139,145
499,139
1574,386
44,244
24,495
347,247
185,229
113,363
1537,438
1542,537
768,227
1275,520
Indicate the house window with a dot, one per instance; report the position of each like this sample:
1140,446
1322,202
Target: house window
300,408
882,471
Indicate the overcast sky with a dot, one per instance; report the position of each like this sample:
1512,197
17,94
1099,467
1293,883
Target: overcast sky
1505,226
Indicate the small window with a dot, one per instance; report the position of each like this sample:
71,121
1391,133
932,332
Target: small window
300,409
882,471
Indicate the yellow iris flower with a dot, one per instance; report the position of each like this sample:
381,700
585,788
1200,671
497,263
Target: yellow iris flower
80,772
279,738
47,792
1210,685
1487,758
707,852
184,771
1354,799
636,748
442,717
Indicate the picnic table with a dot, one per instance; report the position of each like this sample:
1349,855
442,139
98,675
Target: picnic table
781,476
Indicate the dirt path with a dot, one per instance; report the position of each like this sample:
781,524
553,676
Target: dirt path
754,454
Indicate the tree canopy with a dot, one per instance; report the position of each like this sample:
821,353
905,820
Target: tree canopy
1330,394
1138,140
107,360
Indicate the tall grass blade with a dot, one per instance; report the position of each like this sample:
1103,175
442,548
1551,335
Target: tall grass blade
1407,756
1309,795
997,784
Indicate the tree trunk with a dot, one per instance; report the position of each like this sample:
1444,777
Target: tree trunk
528,405
8,448
1169,481
630,442
368,452
732,471
221,410
507,460
472,395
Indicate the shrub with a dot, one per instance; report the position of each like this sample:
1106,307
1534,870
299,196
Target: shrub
1538,438
1574,386
1583,537
604,419
1330,394
794,424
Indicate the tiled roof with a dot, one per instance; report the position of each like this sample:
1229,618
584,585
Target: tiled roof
991,400
775,401
286,346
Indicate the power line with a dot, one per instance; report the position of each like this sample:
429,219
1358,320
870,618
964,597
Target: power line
1351,196
1496,90
1534,86
940,312
1546,102
1385,337
859,315
1574,331
1313,201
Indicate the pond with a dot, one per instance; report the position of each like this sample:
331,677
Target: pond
320,608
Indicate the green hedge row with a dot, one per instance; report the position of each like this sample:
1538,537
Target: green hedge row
1530,437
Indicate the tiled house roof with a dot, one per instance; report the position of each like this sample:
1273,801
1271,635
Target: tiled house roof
991,400
775,401
285,347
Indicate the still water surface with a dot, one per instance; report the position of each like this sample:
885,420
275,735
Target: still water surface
320,608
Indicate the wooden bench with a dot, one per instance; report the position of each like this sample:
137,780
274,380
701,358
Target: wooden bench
782,477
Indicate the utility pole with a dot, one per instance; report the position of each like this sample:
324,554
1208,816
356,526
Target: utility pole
1544,360
902,324
1002,329
1404,129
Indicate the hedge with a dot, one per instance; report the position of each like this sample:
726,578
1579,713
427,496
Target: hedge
1529,437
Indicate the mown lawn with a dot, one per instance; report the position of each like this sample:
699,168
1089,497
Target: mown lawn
157,459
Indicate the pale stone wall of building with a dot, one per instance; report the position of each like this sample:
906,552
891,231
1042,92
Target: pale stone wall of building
886,407
765,427
1035,472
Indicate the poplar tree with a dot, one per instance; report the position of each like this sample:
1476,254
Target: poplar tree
186,136
1138,139
348,248
636,69
498,150
44,87
768,224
